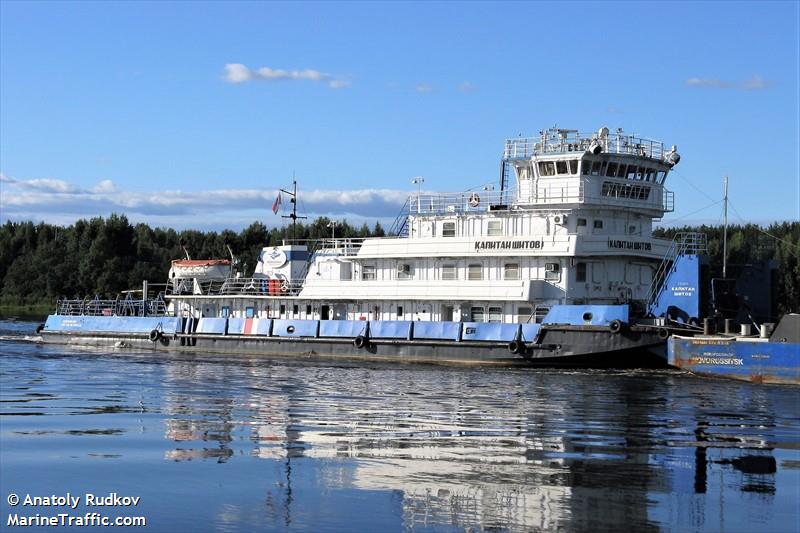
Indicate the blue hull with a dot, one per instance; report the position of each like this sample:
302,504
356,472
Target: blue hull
755,360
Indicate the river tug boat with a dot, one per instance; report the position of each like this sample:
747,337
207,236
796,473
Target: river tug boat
557,267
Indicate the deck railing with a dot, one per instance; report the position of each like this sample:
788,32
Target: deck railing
563,141
105,307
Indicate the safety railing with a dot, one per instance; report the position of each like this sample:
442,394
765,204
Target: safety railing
105,307
683,243
234,286
562,141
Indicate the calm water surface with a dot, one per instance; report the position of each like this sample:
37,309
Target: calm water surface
248,444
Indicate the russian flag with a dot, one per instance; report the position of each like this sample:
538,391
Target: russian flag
276,205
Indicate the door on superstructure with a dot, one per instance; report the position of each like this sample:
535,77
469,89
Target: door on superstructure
325,312
447,313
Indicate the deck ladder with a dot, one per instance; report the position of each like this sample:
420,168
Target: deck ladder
683,243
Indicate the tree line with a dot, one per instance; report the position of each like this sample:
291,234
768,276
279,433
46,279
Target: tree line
103,256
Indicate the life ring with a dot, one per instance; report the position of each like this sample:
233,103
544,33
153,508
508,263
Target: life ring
516,346
474,200
285,287
615,326
154,335
360,341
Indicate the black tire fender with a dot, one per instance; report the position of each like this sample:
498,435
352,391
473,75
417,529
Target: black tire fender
360,342
615,326
154,335
663,333
39,328
516,346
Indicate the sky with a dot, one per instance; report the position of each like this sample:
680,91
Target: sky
194,114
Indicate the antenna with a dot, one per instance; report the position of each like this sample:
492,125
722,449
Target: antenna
293,216
725,229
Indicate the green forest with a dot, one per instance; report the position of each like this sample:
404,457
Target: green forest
103,256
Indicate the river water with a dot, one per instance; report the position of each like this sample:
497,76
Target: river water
251,444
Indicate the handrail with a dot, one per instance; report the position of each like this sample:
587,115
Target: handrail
555,141
685,242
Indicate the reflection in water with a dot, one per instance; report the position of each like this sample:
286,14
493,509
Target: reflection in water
315,446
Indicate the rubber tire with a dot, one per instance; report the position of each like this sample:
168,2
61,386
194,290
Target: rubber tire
39,328
155,335
360,342
663,333
516,347
615,326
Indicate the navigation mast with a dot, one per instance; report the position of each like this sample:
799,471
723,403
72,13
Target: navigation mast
725,229
293,215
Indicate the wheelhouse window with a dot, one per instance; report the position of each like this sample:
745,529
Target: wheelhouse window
511,271
474,272
561,168
495,228
496,314
547,168
598,224
368,273
476,313
597,167
449,272
552,271
581,222
611,170
573,167
448,229
580,272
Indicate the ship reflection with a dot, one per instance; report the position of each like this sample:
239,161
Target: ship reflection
509,451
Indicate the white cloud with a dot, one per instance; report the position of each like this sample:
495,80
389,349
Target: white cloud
423,88
238,73
754,83
467,87
216,208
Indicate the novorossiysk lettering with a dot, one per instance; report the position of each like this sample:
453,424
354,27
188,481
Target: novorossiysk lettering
629,245
509,245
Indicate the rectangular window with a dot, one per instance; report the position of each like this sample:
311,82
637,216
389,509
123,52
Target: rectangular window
474,272
611,171
249,312
511,271
621,170
295,310
405,271
581,222
449,272
631,172
448,229
476,313
660,176
547,168
586,167
631,229
561,168
552,271
495,228
524,315
598,224
596,166
580,272
225,312
368,273
308,310
496,314
282,310
573,167
400,312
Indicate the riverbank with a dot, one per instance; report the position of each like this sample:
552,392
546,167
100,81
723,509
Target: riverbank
32,312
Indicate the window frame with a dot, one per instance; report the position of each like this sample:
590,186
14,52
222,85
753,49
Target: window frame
470,272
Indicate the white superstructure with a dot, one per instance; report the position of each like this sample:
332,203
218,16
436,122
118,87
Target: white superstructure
574,227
